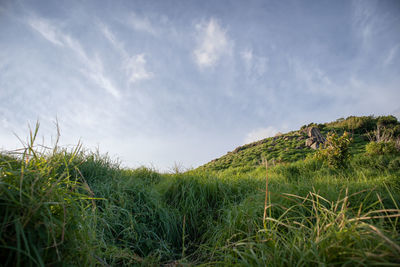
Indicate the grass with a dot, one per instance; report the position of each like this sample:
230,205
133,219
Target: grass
75,207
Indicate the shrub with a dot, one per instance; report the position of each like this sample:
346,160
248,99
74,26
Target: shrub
394,165
380,148
386,121
356,124
335,151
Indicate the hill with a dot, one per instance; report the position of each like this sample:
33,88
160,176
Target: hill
291,147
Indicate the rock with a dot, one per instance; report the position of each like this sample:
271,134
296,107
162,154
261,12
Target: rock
289,137
314,145
315,138
309,141
301,137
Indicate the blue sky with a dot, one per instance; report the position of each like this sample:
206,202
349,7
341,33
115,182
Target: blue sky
161,82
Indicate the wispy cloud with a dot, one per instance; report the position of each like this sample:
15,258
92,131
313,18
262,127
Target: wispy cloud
47,30
247,56
96,72
118,45
255,65
260,133
141,23
313,78
391,55
92,68
212,43
136,68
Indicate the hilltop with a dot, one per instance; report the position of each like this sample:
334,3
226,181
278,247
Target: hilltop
291,146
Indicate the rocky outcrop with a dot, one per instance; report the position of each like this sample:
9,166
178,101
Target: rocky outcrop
315,138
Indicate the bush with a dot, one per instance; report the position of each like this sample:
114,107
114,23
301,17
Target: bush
356,124
394,165
386,121
335,151
380,148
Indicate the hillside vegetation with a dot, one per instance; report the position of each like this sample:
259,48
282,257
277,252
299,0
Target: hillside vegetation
291,147
79,208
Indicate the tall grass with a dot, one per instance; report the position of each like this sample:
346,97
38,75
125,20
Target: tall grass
45,214
79,208
310,231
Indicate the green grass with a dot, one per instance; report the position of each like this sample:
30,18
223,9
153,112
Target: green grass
78,208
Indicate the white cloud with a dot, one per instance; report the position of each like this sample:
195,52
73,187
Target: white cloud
92,68
247,56
112,39
366,22
136,68
260,133
47,30
391,55
254,64
212,43
142,24
95,71
312,78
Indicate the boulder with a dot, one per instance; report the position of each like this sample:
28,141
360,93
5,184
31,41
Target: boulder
314,145
309,141
315,138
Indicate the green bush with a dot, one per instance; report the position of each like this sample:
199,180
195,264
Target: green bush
381,148
386,121
335,151
394,165
356,124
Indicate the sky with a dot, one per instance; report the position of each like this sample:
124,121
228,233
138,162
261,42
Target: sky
179,83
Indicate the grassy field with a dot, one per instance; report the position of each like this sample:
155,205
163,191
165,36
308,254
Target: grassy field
79,208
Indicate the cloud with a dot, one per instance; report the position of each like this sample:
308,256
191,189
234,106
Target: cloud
112,39
391,55
92,68
141,24
367,23
260,133
95,71
254,64
48,31
312,77
212,43
247,56
136,68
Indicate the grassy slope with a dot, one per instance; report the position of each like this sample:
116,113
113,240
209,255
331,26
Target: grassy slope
83,209
291,147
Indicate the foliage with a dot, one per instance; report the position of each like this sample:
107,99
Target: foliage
45,211
394,165
355,124
387,121
290,147
335,150
381,148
